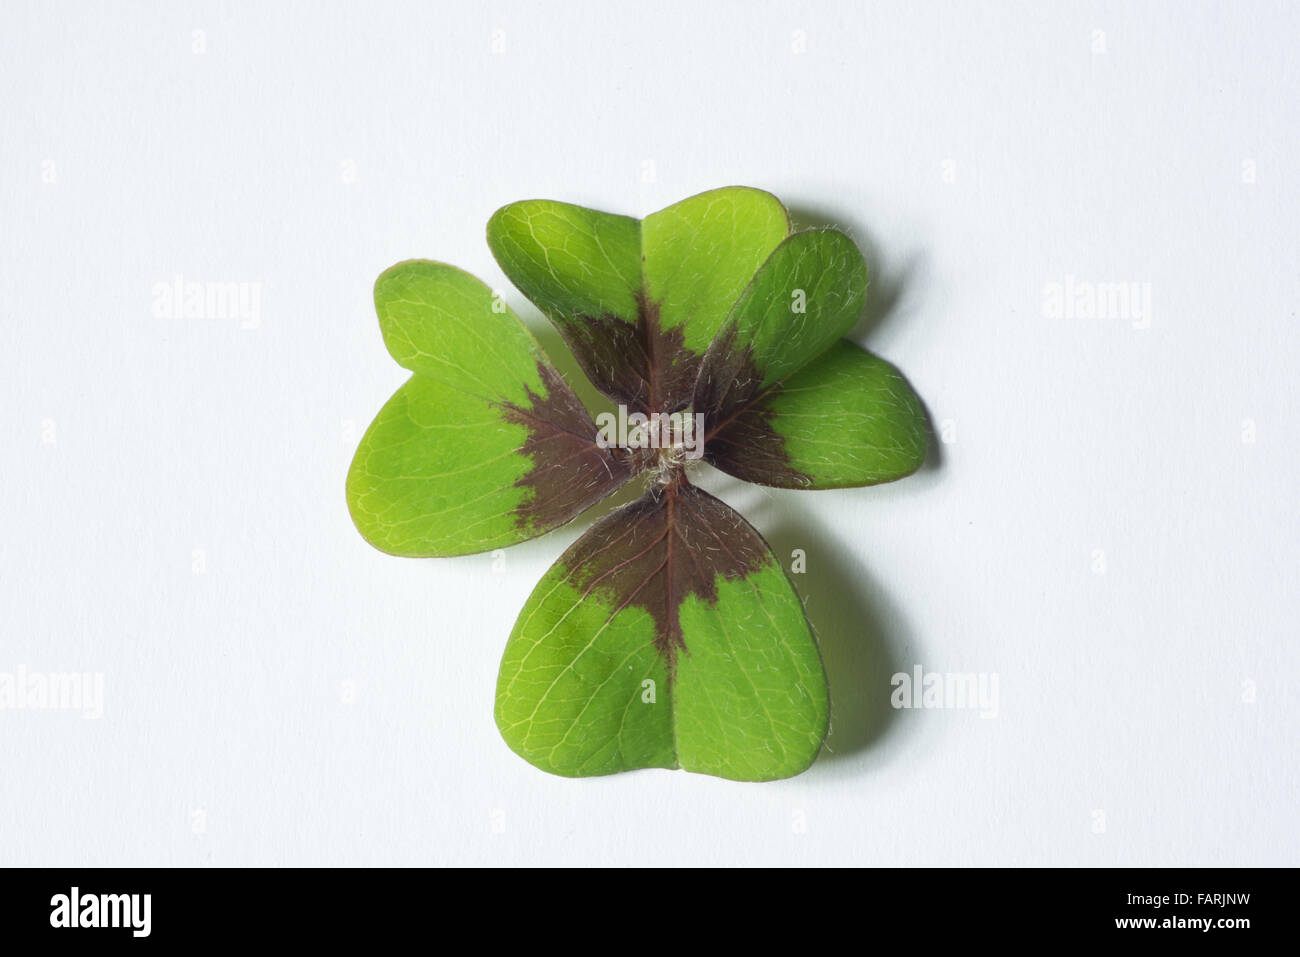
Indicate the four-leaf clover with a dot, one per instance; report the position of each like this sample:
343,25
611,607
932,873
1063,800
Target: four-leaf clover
668,635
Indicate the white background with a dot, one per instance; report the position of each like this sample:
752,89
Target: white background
1099,529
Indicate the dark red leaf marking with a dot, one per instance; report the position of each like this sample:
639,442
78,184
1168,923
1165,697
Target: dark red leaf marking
570,471
672,543
637,363
738,433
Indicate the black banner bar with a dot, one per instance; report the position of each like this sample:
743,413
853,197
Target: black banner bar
129,907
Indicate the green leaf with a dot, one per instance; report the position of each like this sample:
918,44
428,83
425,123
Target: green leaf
848,418
807,294
667,636
639,302
485,445
442,323
570,261
701,253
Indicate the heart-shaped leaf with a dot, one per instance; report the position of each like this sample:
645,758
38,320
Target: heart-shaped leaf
638,302
667,636
807,294
847,418
701,253
485,445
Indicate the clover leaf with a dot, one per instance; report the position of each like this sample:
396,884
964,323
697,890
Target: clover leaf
668,635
